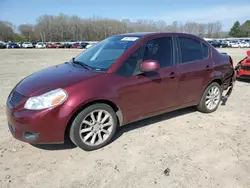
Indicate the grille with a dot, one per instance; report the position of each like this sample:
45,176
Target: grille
15,98
245,67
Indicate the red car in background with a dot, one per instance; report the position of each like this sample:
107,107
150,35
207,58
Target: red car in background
51,45
243,67
75,45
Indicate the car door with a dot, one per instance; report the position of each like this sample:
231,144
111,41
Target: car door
144,94
195,66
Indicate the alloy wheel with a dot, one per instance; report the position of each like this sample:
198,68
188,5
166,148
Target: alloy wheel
96,127
213,98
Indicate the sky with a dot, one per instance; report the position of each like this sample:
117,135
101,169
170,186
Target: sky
202,11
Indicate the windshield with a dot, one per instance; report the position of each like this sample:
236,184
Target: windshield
102,55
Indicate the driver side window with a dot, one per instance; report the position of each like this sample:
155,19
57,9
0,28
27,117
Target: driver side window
161,50
128,67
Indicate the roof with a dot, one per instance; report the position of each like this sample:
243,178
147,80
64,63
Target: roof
146,34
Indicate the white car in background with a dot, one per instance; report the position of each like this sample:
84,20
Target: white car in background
40,45
27,45
19,44
243,45
90,44
235,45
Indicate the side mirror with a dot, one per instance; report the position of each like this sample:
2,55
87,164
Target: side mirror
150,66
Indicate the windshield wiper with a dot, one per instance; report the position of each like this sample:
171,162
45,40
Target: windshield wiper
81,64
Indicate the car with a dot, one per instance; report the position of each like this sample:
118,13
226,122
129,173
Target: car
67,45
244,45
27,45
20,44
12,45
120,80
34,44
40,45
235,44
75,45
218,44
51,45
243,68
59,45
83,45
2,45
91,44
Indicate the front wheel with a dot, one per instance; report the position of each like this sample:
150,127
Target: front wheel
94,127
211,98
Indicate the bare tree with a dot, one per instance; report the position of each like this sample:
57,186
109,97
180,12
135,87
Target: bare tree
73,28
27,30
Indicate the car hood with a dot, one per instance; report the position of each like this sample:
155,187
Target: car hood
59,76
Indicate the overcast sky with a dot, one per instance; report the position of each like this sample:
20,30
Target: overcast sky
203,11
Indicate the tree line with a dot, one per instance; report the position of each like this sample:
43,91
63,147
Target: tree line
239,30
73,28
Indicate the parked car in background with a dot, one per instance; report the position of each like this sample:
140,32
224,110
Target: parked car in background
243,67
235,44
34,44
12,45
218,44
244,45
75,45
27,45
59,45
40,45
20,44
2,45
83,45
51,45
91,44
67,45
108,86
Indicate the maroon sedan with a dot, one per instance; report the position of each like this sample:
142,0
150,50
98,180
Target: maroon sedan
75,45
51,45
121,79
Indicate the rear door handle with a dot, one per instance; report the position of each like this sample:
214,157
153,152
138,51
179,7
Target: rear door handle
208,68
172,75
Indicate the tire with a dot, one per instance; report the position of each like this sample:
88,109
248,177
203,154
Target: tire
202,107
85,115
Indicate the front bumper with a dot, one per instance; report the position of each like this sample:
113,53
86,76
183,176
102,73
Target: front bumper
41,126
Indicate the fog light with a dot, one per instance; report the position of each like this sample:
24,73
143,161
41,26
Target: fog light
31,136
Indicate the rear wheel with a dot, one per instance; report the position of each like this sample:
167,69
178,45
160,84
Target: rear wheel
94,127
211,98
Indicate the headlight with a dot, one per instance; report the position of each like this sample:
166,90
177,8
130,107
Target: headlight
47,100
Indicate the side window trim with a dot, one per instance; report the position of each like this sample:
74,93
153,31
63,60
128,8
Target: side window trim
178,51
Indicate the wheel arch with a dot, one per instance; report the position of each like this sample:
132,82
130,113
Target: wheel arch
217,80
117,110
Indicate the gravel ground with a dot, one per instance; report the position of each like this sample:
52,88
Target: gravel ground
184,148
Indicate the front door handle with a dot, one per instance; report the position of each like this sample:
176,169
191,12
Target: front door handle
172,75
208,68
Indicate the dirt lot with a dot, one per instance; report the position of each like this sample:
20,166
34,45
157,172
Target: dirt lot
199,150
